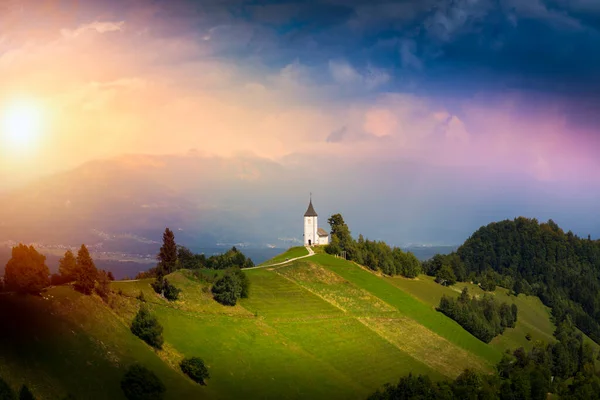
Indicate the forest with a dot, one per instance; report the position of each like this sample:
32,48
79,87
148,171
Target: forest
540,259
485,318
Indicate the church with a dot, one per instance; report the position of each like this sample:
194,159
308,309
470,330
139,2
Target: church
313,235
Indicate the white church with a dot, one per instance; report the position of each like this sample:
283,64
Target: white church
313,235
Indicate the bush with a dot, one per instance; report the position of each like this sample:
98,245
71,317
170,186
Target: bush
6,392
146,327
25,393
139,383
194,368
165,288
227,290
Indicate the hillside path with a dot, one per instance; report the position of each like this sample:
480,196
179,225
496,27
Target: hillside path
310,253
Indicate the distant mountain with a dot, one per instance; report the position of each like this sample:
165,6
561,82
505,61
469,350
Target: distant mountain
124,204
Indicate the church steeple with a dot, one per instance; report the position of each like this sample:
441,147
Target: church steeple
310,212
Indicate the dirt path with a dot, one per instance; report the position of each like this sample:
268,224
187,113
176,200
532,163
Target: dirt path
310,253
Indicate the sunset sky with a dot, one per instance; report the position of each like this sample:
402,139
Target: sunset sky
499,93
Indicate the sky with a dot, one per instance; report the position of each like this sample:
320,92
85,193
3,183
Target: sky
488,105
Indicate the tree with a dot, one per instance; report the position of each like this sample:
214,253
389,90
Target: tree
146,327
111,276
445,276
86,272
167,257
103,287
227,290
194,368
26,271
139,383
187,259
25,393
67,267
6,393
244,282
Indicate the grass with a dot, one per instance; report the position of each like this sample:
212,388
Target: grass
320,327
274,296
333,288
292,252
354,350
410,307
68,343
533,317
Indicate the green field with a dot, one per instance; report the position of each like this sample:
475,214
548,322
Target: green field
292,252
319,327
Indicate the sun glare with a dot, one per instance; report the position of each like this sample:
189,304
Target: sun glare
21,125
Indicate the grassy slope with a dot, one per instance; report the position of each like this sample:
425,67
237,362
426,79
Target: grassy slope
320,327
67,343
410,306
533,316
292,252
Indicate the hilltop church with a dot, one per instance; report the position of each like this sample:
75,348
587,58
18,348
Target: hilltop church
313,235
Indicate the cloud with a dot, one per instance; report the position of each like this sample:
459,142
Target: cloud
408,55
96,26
345,74
161,88
337,135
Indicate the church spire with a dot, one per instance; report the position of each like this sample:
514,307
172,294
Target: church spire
310,212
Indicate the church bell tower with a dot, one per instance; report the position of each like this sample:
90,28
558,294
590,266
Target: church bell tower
310,225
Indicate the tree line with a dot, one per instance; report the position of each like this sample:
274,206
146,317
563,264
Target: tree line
484,318
26,272
533,258
566,368
376,255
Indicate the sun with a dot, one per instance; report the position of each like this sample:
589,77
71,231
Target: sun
20,127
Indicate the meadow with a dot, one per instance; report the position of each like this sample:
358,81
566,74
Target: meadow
319,327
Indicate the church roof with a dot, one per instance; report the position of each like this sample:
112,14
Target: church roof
322,232
310,212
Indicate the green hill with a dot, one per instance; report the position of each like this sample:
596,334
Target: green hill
319,327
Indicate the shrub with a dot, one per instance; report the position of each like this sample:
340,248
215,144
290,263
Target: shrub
194,368
6,392
139,383
227,290
146,327
165,288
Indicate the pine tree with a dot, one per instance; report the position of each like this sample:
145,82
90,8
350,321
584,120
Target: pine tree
167,258
67,267
86,271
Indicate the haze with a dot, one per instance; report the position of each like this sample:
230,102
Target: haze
419,121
